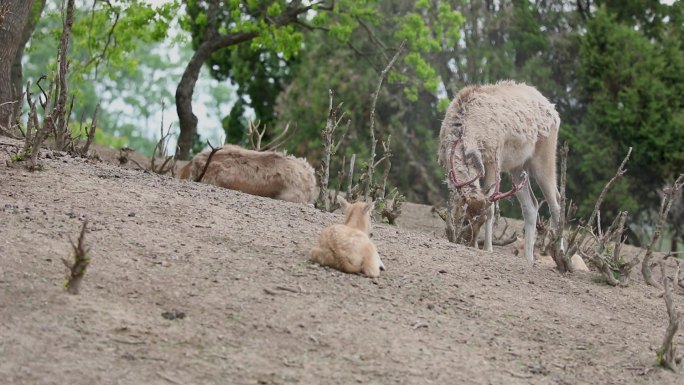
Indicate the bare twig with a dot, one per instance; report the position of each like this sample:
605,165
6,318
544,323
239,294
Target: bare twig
560,256
350,176
371,160
578,239
604,250
331,123
665,206
387,157
334,204
78,267
602,265
29,122
34,142
392,206
161,150
90,133
667,354
620,172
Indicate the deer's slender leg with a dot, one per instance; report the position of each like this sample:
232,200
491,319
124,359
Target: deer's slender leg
543,167
492,175
529,210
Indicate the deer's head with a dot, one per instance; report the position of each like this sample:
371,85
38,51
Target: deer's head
357,215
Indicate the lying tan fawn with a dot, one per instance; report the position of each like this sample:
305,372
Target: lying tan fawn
347,247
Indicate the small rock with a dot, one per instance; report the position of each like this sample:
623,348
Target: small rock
173,314
131,214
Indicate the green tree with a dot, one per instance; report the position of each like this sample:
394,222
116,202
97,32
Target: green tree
113,60
628,96
265,38
408,107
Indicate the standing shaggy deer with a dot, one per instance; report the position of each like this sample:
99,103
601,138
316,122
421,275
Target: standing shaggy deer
263,173
503,127
347,247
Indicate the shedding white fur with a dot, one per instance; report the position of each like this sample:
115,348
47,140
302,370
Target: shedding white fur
503,127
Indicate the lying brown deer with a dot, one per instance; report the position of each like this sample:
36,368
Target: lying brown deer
263,173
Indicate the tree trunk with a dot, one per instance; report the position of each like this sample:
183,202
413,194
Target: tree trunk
12,24
186,87
17,73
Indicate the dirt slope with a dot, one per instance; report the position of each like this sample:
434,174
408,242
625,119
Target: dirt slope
257,312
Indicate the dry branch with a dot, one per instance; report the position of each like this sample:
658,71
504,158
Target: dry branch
350,176
602,248
371,162
161,150
35,133
605,253
667,354
560,256
619,174
665,205
387,158
578,239
391,208
78,266
90,133
334,203
329,148
53,102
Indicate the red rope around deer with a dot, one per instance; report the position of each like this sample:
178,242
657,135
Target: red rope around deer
496,195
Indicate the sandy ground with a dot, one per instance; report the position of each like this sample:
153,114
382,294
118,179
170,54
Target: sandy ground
258,312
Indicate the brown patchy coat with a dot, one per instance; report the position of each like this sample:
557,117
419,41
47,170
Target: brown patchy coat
347,247
267,174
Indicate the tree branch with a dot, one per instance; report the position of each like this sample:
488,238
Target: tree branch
371,161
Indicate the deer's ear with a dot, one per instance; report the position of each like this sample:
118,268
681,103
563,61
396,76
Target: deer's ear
343,202
369,207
